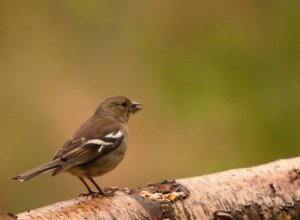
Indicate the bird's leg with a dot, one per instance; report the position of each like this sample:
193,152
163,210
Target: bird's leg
100,191
96,185
88,188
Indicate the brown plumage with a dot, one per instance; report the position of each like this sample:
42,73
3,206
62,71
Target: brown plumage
97,147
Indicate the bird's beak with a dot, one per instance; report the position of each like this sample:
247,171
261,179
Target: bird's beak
135,107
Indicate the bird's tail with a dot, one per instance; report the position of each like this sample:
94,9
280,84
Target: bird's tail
53,165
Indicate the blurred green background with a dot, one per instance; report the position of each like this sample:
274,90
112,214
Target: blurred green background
219,81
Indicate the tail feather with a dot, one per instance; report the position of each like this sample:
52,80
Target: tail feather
38,170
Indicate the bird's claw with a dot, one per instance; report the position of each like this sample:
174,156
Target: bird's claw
105,192
92,194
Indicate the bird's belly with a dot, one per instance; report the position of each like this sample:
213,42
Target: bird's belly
99,166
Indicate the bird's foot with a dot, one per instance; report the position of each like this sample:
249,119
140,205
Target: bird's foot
92,194
105,192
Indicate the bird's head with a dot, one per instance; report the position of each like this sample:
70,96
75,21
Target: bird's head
118,107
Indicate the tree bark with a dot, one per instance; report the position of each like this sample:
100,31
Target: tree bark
270,191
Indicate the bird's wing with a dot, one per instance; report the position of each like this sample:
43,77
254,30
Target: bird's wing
86,146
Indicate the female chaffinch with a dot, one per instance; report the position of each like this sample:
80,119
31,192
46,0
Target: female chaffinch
97,147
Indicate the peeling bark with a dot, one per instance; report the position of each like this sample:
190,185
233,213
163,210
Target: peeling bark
270,191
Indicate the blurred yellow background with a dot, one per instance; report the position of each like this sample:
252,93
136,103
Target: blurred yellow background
219,81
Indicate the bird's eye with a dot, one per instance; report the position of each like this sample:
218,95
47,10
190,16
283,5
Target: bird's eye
124,104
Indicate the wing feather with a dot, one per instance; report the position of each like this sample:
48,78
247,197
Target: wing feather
88,150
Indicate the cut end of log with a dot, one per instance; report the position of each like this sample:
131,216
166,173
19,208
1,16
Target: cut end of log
163,194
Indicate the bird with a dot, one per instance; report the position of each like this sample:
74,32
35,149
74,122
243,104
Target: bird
96,148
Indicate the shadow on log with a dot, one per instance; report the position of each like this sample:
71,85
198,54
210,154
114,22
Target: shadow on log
270,191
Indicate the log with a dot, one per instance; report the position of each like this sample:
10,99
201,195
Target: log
270,191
